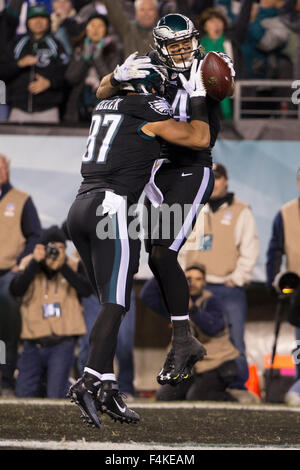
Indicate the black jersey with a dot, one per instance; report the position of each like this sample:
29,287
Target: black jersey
119,156
180,102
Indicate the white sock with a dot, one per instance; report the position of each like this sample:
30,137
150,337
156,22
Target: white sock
108,377
93,372
178,318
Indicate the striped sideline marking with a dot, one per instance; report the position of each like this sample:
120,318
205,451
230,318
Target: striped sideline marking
155,405
83,445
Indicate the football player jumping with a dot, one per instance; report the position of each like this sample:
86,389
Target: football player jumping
121,150
181,176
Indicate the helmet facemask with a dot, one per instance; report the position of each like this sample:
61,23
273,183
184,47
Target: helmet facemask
183,59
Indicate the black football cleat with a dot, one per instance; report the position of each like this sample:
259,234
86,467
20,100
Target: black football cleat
164,375
110,401
83,394
185,352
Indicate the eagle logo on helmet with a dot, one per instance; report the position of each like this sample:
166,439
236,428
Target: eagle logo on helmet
155,79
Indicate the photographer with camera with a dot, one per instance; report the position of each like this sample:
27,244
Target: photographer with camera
20,230
285,241
50,285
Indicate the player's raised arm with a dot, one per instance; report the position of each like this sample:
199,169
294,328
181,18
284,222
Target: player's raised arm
195,134
133,67
106,89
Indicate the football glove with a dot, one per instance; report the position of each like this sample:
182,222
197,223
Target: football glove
133,67
194,86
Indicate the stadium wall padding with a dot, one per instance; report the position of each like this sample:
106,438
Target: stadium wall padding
261,173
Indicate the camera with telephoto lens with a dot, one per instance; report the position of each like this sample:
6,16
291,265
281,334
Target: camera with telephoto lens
287,286
51,251
286,283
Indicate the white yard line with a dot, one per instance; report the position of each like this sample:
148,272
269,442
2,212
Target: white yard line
83,445
155,405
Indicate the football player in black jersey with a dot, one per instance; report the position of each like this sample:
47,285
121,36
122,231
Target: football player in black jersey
121,150
182,176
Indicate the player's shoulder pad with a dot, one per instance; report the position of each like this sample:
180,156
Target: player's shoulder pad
159,105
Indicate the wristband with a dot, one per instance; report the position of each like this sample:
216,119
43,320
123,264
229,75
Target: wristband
113,81
199,109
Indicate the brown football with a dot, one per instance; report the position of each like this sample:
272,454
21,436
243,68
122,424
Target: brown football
216,76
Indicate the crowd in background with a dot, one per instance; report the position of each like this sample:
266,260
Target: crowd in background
54,54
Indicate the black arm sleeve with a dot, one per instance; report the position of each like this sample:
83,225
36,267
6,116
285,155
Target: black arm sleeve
77,280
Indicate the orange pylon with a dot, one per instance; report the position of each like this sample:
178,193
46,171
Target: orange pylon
252,383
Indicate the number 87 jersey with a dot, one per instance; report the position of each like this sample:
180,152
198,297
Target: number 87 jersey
119,156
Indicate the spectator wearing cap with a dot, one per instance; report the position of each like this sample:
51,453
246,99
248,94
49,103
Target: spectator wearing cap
19,232
136,35
218,369
50,285
228,248
96,55
34,71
